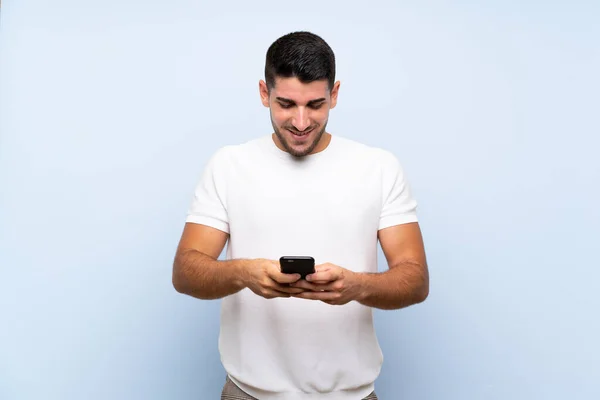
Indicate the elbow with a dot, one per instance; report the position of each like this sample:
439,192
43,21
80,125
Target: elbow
179,278
420,288
422,294
423,291
186,280
178,281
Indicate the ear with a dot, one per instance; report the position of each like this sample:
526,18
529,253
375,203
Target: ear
264,93
334,94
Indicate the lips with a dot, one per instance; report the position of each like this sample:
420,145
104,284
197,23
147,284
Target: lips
300,136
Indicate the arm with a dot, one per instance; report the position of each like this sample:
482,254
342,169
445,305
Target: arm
198,273
406,282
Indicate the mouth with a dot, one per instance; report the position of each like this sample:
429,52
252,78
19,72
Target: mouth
300,136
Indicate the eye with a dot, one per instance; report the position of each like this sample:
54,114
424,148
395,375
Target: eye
316,106
282,105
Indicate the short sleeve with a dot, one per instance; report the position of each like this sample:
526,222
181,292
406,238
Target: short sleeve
209,205
399,206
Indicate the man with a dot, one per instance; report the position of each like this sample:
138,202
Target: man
301,191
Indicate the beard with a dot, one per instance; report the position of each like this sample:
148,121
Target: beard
290,149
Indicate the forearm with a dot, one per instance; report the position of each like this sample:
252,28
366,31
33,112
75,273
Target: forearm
399,287
201,276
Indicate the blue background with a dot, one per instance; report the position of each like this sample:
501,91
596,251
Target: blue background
110,110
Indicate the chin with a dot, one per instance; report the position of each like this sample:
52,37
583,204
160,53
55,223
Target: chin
302,147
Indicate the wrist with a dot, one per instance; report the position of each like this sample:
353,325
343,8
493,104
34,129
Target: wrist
242,273
359,287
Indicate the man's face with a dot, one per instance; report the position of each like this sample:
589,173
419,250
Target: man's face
299,112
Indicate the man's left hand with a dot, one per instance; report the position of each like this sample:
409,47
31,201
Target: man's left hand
331,284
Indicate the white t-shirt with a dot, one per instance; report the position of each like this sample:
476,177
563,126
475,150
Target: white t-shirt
327,205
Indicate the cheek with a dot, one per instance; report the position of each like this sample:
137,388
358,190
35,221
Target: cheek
279,117
320,116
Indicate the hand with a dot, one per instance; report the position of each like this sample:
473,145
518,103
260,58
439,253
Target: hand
331,284
265,278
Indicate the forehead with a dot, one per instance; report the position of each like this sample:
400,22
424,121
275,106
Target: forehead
293,89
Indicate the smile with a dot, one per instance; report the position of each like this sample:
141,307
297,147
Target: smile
300,135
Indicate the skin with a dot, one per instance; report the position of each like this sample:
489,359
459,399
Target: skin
299,107
302,107
405,283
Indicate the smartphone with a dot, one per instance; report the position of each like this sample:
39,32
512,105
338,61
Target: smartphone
302,265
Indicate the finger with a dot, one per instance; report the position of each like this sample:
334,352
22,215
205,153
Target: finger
309,286
328,275
320,287
274,272
268,293
323,267
327,296
303,284
281,287
280,277
288,289
335,286
319,282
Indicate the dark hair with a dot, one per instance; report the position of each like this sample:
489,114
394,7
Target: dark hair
303,55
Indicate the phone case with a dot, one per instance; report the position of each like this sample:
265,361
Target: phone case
302,265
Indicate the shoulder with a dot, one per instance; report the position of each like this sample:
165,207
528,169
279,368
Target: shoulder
219,159
227,153
367,153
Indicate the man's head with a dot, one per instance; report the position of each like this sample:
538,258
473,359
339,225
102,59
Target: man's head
300,89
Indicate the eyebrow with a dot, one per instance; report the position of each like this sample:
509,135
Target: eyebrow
310,103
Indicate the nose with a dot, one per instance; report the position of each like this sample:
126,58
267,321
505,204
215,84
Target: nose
301,120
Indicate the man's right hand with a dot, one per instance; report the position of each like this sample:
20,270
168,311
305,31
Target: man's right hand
264,277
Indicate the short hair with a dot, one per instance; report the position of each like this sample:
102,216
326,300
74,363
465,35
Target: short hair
303,55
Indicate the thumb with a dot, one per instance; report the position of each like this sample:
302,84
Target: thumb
275,273
322,267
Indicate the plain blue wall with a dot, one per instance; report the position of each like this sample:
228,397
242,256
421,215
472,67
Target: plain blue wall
109,111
